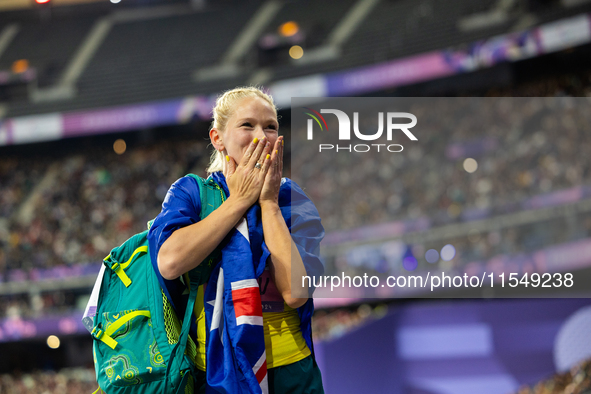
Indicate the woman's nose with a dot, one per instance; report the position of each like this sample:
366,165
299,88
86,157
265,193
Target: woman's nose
259,133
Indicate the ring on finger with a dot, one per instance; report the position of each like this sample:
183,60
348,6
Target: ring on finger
257,166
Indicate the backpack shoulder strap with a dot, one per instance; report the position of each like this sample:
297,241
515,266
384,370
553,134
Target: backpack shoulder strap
210,193
211,196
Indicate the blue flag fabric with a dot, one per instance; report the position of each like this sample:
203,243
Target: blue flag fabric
235,349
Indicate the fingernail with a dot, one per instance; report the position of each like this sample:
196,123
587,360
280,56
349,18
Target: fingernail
276,152
255,140
227,158
268,155
282,142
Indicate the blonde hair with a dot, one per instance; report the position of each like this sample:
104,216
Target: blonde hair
223,110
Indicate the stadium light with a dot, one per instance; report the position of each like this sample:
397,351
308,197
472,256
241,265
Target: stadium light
288,29
20,66
53,342
115,1
42,1
119,146
470,165
448,252
296,52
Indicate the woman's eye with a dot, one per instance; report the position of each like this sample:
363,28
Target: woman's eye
247,124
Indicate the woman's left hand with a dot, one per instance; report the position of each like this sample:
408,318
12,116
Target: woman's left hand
270,190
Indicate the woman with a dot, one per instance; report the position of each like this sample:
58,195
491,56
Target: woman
248,164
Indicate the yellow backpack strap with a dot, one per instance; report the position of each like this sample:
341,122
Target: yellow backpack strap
141,249
119,268
100,335
106,335
98,390
121,274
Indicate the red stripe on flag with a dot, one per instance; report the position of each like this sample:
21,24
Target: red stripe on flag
247,302
262,372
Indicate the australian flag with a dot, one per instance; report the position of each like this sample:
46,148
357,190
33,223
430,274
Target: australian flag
235,346
236,358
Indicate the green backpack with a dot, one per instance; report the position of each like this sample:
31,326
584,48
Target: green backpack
140,344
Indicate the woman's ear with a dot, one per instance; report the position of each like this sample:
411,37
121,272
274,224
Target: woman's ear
216,139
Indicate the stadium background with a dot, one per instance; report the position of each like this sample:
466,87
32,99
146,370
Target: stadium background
105,104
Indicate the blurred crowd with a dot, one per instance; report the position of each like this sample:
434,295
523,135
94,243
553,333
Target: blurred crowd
328,325
575,381
73,208
522,148
482,247
568,84
66,381
76,208
31,306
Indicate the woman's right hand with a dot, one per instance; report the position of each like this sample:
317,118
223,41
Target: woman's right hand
244,180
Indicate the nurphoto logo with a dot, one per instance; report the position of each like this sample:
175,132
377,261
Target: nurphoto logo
345,130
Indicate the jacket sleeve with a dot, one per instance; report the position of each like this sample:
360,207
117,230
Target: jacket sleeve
181,207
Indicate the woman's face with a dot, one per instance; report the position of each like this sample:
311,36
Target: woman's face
253,118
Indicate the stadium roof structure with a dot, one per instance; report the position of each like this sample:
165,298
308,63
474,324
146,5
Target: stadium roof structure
141,67
15,5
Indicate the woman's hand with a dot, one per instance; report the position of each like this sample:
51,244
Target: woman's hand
270,189
285,263
245,181
188,246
